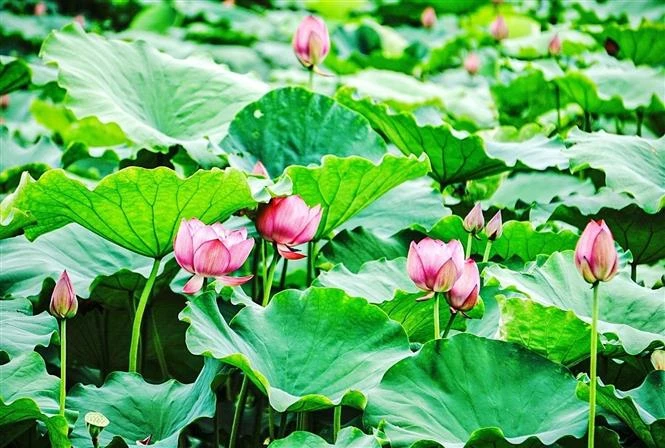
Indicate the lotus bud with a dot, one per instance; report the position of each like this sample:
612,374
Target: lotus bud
80,19
311,42
472,64
494,227
95,422
211,251
229,3
554,47
145,442
474,221
464,294
499,28
40,9
611,47
435,266
260,170
658,359
63,300
4,101
595,255
428,17
288,222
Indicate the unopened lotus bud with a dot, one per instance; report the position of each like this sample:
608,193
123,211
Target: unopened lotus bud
554,47
595,255
311,42
260,170
4,101
612,47
472,64
499,28
464,294
474,221
80,19
40,9
95,422
494,227
63,300
658,359
428,17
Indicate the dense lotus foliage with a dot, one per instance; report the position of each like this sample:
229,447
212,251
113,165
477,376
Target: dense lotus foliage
319,223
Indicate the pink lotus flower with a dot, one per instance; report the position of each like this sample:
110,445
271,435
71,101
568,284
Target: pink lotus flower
211,251
311,41
494,227
434,265
474,221
499,28
4,101
288,221
472,64
595,255
63,299
554,47
260,170
428,17
464,294
40,9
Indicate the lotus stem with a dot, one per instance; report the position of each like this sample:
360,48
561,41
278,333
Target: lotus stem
469,241
285,268
138,317
337,421
449,325
311,258
310,80
640,119
558,106
63,364
269,275
633,271
237,415
594,365
437,323
271,423
486,255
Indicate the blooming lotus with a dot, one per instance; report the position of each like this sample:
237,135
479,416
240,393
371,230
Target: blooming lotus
211,251
499,28
434,265
288,221
464,294
63,299
311,42
595,255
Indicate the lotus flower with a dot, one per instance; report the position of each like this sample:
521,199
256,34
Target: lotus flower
211,251
472,64
4,101
428,17
434,265
554,47
40,9
499,28
311,42
63,300
260,170
474,221
658,359
595,255
494,227
464,294
289,222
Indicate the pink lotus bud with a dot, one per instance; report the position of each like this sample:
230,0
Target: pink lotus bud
260,170
611,46
499,28
658,359
472,64
474,221
289,222
595,255
464,294
311,42
211,251
434,265
40,9
554,47
80,19
4,101
229,3
63,300
428,17
494,228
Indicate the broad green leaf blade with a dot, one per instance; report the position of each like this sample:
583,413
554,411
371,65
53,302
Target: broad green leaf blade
136,208
14,75
21,331
315,363
456,396
628,312
293,126
631,164
144,91
345,186
137,409
13,220
536,45
643,45
349,437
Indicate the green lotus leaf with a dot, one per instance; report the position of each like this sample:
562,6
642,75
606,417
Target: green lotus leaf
458,399
33,29
319,363
456,156
142,90
642,408
29,393
137,409
21,331
628,312
345,186
347,438
293,126
14,75
642,45
622,12
536,45
136,208
631,164
13,220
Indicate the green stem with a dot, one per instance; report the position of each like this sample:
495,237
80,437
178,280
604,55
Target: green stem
285,268
311,258
299,421
633,271
337,421
268,277
469,241
310,81
255,268
587,121
63,364
594,361
237,415
558,107
218,417
159,350
486,255
640,119
282,424
271,423
136,328
449,325
437,323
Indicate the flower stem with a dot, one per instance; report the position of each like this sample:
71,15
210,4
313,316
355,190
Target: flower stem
237,415
271,423
138,317
640,119
558,107
337,421
311,258
437,323
449,325
469,241
63,364
285,268
268,276
594,361
486,255
633,271
310,81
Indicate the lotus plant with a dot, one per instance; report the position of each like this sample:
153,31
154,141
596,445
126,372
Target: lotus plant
597,260
428,17
463,296
311,44
473,223
493,231
554,47
472,64
499,28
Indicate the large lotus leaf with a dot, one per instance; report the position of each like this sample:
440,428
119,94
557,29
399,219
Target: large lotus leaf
137,409
137,208
519,239
347,438
21,331
643,45
453,397
13,220
319,363
456,156
631,164
85,256
293,126
629,313
345,186
142,90
631,12
537,45
642,408
29,393
14,75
